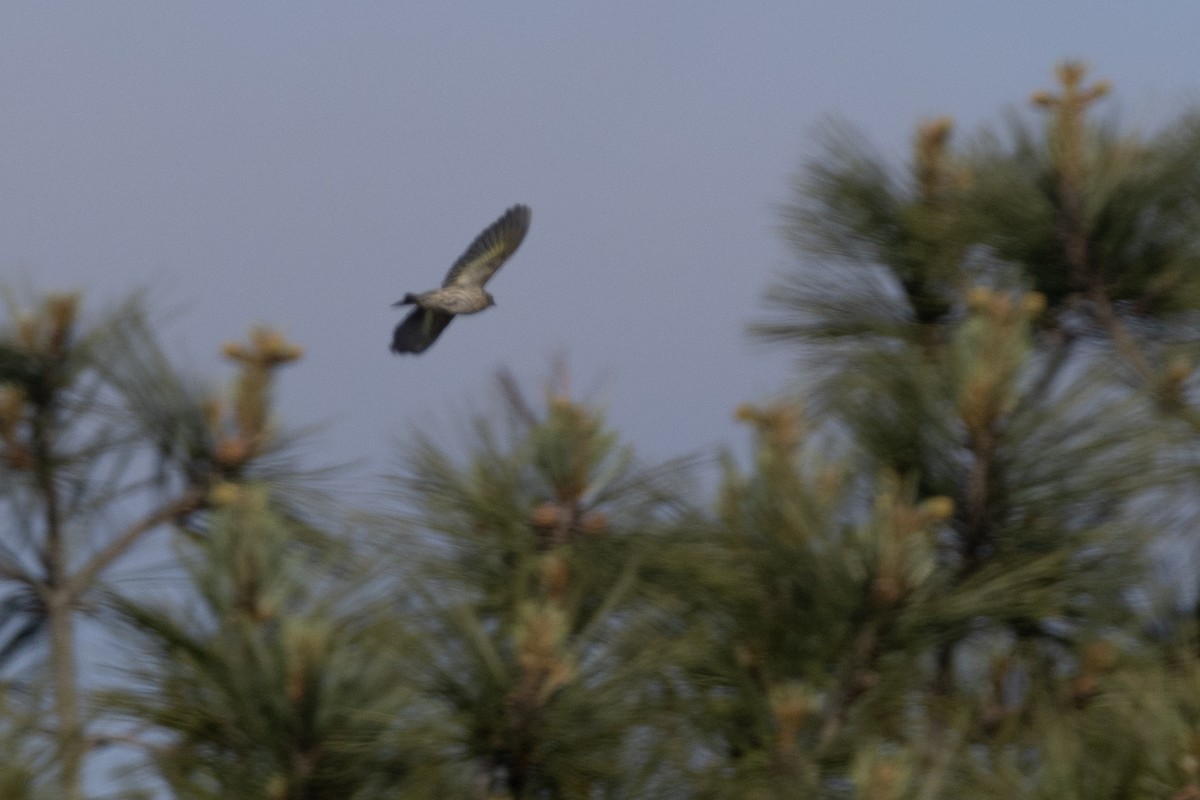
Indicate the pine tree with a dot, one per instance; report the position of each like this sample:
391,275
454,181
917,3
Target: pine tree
537,634
271,683
1003,331
67,453
273,676
102,443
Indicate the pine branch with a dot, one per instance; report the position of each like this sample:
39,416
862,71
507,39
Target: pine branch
82,580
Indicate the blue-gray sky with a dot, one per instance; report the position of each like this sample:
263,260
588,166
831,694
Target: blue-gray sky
304,164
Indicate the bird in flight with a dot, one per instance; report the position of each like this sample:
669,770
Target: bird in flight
462,290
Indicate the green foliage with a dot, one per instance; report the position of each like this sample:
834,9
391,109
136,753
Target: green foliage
261,688
1050,419
102,443
26,762
1137,213
532,587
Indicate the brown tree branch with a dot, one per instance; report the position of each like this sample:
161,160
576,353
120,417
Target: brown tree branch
82,580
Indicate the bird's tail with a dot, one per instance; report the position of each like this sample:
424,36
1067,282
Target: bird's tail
410,299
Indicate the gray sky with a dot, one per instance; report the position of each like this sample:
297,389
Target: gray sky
304,164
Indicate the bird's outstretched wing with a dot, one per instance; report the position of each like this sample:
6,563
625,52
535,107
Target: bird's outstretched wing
490,249
419,330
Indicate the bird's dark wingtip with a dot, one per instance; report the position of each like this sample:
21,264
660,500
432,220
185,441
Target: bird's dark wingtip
521,213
